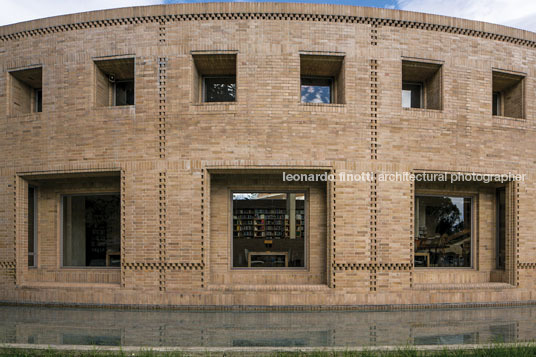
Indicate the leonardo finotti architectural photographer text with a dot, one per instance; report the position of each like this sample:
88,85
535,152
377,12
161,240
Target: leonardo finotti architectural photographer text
370,176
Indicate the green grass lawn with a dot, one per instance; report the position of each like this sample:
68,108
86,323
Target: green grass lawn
510,351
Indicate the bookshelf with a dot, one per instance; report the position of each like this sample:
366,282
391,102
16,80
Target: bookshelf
266,223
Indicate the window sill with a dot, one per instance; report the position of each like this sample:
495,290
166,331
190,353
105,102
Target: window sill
323,107
26,116
465,286
53,284
270,287
422,110
90,268
511,122
117,107
215,107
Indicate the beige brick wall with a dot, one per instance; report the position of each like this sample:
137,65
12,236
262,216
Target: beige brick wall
170,151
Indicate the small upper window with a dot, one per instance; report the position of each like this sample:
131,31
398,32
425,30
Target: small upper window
115,82
322,79
26,91
421,85
508,96
215,77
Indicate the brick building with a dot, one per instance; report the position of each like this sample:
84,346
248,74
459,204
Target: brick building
145,151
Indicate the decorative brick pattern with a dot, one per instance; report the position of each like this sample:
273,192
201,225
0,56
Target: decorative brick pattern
270,16
162,63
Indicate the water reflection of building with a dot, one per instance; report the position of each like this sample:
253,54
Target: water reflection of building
242,329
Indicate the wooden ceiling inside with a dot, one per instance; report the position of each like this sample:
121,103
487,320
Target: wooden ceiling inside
320,65
418,71
121,68
503,81
215,64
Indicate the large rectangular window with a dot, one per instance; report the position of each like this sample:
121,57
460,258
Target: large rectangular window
91,230
268,230
32,226
443,231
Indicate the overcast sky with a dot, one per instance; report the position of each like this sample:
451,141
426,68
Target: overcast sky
515,13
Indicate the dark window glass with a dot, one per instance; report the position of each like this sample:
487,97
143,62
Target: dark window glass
411,95
124,92
501,228
442,231
91,230
268,230
39,100
496,103
316,90
32,226
220,89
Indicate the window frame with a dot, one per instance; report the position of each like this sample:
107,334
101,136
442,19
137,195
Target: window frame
474,253
498,240
35,228
114,102
421,94
38,95
204,88
305,267
61,215
497,107
332,94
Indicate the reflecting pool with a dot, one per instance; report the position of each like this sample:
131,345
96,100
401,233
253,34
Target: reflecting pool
152,328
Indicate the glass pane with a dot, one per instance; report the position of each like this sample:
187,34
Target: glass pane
124,93
496,103
38,100
442,231
220,89
31,219
91,230
268,230
501,228
411,95
32,226
316,90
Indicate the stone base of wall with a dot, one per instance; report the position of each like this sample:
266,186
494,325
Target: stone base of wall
276,297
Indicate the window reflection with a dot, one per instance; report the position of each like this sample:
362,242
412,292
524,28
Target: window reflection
442,231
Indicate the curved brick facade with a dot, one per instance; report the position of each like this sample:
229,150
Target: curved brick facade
174,158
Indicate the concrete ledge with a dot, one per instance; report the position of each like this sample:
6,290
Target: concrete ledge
472,286
266,308
205,350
